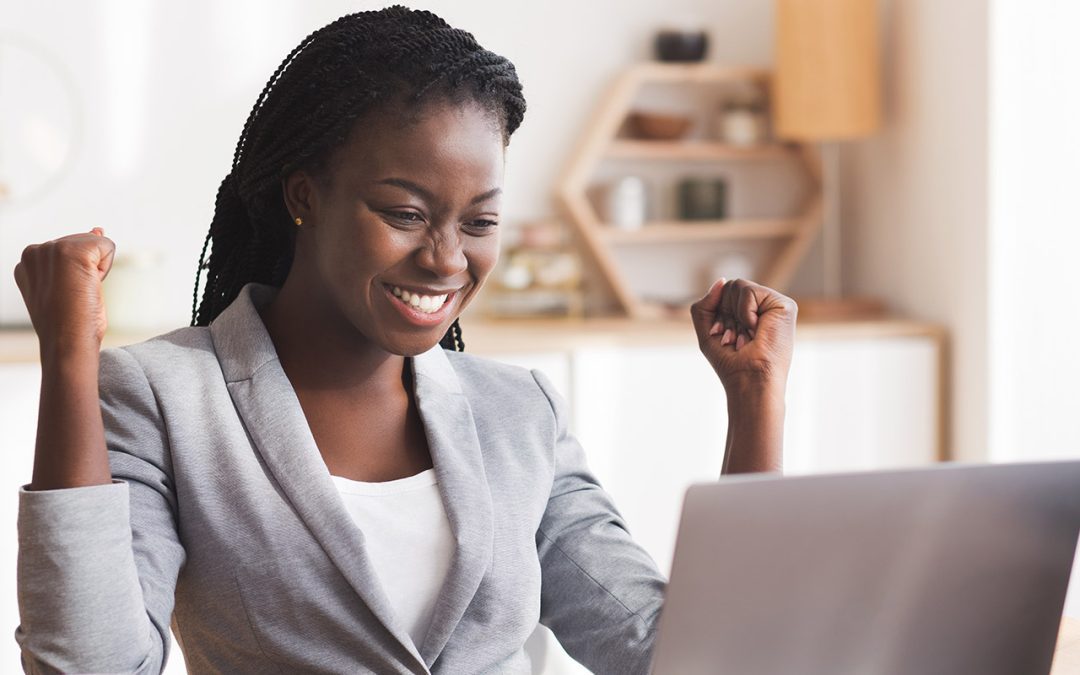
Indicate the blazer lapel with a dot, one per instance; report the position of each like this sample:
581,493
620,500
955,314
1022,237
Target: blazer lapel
273,417
459,469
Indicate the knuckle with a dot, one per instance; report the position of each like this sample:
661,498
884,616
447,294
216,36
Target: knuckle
28,253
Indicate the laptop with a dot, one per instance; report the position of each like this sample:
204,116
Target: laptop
949,569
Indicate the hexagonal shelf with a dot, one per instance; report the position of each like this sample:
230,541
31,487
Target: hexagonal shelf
789,237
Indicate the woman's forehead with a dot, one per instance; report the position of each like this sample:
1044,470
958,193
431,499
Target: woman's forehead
457,139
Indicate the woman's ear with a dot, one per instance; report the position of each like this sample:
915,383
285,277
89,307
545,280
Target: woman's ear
301,196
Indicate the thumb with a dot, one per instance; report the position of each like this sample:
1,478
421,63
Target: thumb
106,253
703,312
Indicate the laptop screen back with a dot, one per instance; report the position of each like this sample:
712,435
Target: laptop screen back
951,569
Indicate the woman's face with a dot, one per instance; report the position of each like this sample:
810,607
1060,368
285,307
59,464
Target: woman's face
399,237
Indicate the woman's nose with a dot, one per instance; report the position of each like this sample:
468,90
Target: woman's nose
443,255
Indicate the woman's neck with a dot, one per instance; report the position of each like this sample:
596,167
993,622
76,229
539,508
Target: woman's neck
319,352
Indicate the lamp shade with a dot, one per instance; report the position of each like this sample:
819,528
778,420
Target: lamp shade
826,84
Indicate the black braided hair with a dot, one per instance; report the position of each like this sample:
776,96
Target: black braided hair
306,111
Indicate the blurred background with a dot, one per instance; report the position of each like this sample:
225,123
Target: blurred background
900,167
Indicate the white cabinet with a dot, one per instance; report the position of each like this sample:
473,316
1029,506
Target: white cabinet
858,404
19,386
654,419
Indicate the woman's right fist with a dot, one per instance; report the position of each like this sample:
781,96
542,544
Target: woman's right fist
60,282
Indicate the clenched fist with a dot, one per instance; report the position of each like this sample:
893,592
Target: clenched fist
61,284
747,332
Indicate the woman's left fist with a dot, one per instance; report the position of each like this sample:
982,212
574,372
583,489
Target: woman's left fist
747,332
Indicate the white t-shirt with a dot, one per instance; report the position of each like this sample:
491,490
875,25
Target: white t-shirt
408,540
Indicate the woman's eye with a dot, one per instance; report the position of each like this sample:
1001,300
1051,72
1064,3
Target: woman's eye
483,225
406,216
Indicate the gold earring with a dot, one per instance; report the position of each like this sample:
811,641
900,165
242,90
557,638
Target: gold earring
298,221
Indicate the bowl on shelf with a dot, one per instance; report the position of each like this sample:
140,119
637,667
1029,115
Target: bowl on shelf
658,126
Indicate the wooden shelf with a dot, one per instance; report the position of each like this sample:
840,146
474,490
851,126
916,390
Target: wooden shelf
698,151
603,142
702,230
702,73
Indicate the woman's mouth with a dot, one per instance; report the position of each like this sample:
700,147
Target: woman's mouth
424,309
428,304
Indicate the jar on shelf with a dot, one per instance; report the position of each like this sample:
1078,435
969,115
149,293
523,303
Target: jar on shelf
741,120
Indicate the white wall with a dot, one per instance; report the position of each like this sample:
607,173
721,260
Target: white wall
1034,229
165,88
915,209
959,210
1034,232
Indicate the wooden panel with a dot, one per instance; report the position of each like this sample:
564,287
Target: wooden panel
703,230
695,151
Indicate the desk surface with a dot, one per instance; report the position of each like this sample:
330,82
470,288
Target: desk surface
1067,654
490,337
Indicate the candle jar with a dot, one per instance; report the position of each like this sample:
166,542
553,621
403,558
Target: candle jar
741,121
702,199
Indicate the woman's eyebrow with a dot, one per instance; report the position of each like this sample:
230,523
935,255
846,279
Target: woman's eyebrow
423,192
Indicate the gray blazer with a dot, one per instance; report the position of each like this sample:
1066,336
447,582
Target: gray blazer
223,521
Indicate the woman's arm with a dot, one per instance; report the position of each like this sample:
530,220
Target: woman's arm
755,439
601,593
70,449
746,332
60,282
98,559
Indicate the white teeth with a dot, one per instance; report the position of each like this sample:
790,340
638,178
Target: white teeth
427,304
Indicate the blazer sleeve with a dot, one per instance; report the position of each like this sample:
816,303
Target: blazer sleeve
601,592
97,565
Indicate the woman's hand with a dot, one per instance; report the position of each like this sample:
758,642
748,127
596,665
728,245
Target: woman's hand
747,332
61,284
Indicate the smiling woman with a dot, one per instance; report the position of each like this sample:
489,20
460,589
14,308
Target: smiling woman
312,477
409,206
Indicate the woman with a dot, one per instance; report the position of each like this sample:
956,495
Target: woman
305,479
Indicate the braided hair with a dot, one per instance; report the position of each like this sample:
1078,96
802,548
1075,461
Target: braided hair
306,110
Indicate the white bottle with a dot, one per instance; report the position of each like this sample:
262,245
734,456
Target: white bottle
626,203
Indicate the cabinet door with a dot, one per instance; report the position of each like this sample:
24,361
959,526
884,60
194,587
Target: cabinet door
652,420
862,404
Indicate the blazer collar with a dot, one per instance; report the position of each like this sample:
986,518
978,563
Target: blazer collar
273,417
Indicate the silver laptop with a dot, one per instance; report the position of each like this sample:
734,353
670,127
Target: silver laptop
953,569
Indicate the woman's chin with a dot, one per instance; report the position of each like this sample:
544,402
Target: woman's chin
411,345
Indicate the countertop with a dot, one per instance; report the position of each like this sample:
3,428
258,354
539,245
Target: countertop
502,336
